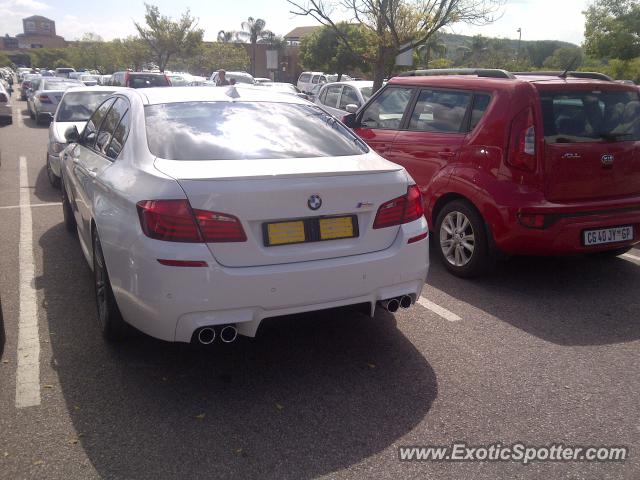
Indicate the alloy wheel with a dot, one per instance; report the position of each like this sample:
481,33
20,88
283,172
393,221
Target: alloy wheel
457,239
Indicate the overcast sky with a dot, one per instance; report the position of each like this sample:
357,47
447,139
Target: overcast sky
539,19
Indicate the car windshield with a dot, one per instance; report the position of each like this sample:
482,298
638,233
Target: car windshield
240,78
237,131
58,85
585,116
78,106
147,80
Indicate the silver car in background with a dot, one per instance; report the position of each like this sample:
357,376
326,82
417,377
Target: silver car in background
340,98
74,109
46,98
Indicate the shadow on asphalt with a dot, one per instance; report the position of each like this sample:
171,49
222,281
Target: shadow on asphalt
310,395
43,189
3,336
568,300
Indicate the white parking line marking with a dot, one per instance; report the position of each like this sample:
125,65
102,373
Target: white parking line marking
28,369
32,205
438,310
631,257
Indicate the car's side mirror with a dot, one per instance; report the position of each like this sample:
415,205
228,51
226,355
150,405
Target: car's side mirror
351,108
72,135
350,120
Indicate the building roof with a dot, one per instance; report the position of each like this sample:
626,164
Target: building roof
38,17
300,32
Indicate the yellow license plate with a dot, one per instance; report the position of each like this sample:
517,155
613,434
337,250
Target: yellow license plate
286,232
336,227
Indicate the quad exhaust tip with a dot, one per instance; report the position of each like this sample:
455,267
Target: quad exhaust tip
392,305
206,335
228,334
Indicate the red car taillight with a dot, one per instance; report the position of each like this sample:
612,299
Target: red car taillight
404,209
220,227
44,99
522,141
175,221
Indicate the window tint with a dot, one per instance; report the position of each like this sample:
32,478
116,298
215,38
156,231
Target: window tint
109,125
440,111
91,129
119,136
78,106
348,96
148,80
480,103
575,117
387,110
323,95
333,93
242,130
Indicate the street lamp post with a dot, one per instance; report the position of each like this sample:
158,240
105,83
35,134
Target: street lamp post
519,40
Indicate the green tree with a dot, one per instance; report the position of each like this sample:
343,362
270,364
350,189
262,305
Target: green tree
216,55
167,38
253,30
323,49
612,29
5,61
134,52
399,25
48,57
432,47
565,58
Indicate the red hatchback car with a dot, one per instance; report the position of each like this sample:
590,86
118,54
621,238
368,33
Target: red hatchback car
534,164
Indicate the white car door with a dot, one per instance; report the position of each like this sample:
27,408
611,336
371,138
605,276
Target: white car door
87,162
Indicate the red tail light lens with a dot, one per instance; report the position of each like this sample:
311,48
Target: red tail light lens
169,220
44,99
522,141
175,221
404,209
220,227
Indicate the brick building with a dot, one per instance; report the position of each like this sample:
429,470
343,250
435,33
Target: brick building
38,32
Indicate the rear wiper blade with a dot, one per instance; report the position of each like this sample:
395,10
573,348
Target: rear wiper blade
612,137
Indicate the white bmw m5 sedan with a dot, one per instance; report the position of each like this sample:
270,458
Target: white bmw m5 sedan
203,211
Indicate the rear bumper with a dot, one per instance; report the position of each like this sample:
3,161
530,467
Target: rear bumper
171,303
5,111
563,231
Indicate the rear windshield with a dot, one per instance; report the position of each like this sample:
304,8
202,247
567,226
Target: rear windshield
238,131
78,106
240,78
59,85
144,81
587,116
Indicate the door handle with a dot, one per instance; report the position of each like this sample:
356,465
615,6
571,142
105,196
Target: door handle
92,171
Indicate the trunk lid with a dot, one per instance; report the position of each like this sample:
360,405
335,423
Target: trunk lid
264,191
592,140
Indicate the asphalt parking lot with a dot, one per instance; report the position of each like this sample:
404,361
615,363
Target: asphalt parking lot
542,351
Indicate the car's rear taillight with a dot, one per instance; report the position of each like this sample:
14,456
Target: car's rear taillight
44,99
175,221
522,141
219,227
404,209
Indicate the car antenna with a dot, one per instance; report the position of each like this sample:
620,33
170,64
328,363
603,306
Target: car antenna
569,67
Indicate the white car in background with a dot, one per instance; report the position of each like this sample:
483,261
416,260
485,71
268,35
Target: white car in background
340,98
75,108
43,102
6,113
203,211
308,80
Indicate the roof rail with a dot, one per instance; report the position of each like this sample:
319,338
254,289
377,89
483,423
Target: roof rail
558,73
480,72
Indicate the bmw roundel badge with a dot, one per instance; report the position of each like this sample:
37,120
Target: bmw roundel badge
314,202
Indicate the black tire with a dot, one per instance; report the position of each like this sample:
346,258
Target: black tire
67,211
111,323
454,249
38,119
54,180
611,253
